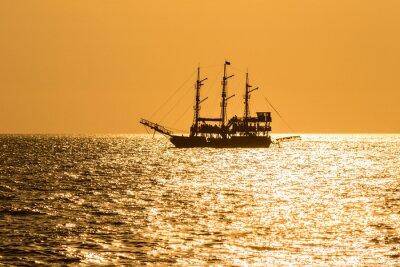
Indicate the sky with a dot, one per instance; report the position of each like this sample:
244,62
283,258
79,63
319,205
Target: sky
98,66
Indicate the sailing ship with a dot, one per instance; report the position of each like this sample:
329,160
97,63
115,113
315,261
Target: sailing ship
220,132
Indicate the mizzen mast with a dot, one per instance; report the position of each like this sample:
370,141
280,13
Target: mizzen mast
246,101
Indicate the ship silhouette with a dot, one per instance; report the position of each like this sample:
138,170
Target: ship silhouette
219,132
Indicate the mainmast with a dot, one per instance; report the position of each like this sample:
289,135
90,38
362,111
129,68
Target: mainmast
197,106
224,98
246,98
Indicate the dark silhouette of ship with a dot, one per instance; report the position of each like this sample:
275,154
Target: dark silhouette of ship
246,131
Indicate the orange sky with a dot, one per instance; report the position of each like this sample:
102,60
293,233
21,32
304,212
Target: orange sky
99,66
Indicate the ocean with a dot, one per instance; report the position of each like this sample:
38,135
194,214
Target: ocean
328,200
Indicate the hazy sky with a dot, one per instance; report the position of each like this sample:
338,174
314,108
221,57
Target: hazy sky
99,66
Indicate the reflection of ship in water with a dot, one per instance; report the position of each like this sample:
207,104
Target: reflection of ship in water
246,131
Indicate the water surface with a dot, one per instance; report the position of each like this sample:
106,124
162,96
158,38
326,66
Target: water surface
329,200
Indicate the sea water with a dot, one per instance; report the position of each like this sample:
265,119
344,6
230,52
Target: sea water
328,200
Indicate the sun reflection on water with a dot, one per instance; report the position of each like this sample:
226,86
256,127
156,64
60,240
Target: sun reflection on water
330,200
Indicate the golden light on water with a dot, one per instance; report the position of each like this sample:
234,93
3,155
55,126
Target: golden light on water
137,200
264,219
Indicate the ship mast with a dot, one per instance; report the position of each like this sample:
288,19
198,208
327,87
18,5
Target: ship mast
224,98
246,98
246,101
197,106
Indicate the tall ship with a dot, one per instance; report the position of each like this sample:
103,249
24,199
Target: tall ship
220,132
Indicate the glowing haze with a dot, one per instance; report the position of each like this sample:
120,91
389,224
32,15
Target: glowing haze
98,66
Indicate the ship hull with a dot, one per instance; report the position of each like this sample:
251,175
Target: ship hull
232,142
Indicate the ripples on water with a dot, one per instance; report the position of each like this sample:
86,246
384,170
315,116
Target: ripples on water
111,200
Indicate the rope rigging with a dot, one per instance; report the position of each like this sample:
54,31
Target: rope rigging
182,115
179,100
173,107
235,107
171,96
277,112
270,104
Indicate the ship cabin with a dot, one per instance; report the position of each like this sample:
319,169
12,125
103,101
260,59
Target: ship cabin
245,126
251,126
